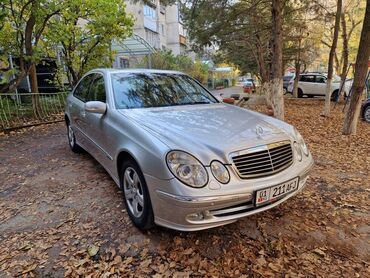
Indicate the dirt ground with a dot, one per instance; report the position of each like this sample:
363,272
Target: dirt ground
62,215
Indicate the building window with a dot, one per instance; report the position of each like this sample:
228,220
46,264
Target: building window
163,30
150,18
124,63
150,12
152,38
162,8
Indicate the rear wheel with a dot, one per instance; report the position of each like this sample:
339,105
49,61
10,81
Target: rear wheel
72,140
136,195
335,95
367,114
300,93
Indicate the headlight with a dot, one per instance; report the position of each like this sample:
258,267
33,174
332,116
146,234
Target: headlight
187,168
298,151
220,172
301,142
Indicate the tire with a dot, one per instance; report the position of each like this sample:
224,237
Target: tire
136,195
367,114
285,91
72,140
335,95
300,93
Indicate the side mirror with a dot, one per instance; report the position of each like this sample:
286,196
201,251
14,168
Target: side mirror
97,107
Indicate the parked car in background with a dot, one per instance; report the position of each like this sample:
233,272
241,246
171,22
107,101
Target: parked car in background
365,110
286,80
249,85
314,84
182,159
46,71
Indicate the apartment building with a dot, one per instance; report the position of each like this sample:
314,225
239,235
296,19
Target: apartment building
159,26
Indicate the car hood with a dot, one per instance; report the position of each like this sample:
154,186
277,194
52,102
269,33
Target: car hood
208,131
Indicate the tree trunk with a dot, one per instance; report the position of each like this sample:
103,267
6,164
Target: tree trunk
326,112
276,97
345,52
297,67
28,38
296,78
261,60
361,68
35,90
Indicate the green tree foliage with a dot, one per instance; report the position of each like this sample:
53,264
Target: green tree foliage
168,61
239,28
85,30
243,31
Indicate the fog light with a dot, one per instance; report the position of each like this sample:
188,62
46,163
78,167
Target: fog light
195,216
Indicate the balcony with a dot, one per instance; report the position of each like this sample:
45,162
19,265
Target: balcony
182,39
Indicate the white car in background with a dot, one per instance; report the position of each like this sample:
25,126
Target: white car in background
314,84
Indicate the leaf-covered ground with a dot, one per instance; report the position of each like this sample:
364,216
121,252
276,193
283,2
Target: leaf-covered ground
62,215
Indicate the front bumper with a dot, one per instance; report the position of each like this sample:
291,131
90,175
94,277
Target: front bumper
209,208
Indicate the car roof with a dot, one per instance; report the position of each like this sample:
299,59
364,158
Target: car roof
138,70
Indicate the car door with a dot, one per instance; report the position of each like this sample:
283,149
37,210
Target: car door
77,109
320,85
306,83
97,127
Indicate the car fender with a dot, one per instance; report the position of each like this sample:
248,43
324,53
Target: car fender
147,150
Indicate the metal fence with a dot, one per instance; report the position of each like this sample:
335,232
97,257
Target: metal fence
16,110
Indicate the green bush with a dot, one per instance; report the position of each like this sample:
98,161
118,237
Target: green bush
166,60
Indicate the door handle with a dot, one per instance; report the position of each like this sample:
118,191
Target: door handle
83,114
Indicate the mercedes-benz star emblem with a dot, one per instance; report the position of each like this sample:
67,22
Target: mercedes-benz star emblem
259,131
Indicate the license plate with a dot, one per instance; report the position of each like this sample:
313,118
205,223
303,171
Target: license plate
275,192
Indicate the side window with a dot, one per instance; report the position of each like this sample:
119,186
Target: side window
97,89
307,78
320,79
82,89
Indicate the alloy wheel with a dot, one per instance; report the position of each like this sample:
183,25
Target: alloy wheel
133,191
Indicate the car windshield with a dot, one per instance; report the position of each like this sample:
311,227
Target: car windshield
138,90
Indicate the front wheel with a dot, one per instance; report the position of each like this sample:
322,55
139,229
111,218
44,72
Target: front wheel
136,196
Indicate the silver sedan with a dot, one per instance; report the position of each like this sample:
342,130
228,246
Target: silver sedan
183,159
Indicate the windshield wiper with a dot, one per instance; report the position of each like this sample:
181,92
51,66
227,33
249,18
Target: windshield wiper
194,102
179,103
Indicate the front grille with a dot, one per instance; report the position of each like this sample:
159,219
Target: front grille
263,160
